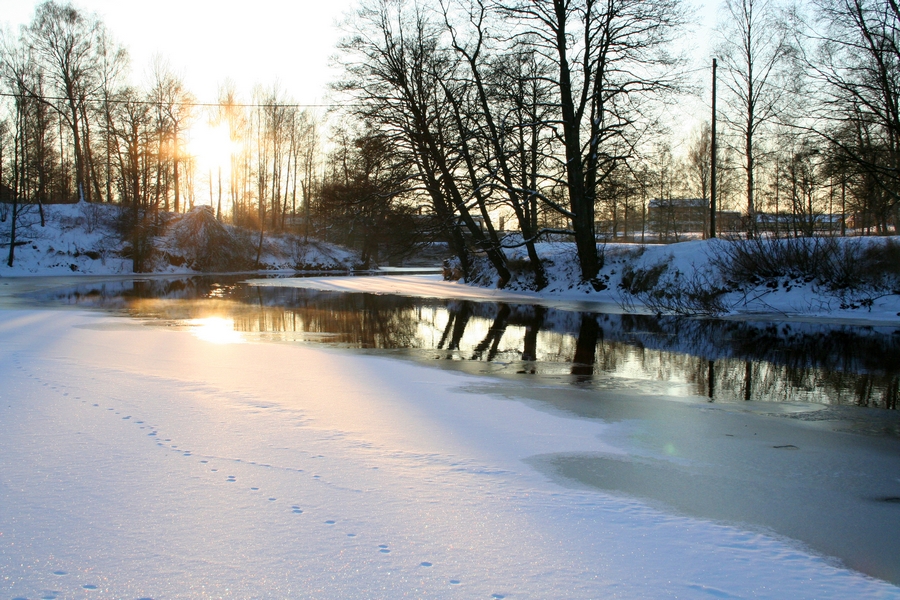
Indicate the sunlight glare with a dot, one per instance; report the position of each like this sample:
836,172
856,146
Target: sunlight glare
216,330
211,146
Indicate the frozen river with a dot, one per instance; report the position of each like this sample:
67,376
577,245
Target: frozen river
204,437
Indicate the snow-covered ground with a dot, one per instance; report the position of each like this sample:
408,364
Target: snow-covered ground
82,239
691,265
144,462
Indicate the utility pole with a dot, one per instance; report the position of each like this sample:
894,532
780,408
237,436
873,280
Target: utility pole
712,152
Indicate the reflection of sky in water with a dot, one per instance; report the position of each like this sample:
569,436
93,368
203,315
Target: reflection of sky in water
724,360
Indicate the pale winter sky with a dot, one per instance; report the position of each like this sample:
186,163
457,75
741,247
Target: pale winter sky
261,41
256,42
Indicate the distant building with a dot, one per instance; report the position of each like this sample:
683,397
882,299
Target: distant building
674,217
801,224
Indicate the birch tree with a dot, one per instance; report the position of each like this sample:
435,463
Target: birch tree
753,51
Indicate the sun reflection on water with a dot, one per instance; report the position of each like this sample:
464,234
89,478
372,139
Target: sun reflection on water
217,330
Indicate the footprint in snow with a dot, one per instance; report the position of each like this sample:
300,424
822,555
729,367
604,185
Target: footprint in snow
384,549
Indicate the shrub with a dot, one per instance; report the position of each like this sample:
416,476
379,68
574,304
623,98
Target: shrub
207,245
697,294
838,264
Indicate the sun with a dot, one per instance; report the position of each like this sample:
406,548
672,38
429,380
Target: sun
211,147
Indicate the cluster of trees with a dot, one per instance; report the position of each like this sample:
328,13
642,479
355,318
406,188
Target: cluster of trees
812,108
548,115
518,108
489,124
73,127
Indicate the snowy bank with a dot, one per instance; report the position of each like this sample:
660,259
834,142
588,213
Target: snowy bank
84,239
837,279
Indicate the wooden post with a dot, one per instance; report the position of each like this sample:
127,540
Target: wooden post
712,152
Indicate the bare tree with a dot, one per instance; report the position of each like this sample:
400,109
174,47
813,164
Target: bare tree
112,66
753,49
852,50
174,112
501,90
609,58
134,132
396,67
65,43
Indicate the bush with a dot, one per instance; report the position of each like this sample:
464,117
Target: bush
206,245
838,264
697,294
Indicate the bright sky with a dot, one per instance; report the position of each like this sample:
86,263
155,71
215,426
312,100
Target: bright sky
283,42
257,42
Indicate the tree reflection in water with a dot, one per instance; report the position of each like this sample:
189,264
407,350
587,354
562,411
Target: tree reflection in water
722,360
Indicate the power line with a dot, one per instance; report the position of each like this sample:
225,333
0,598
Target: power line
191,104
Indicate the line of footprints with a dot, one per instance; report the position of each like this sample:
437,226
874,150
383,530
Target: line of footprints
166,443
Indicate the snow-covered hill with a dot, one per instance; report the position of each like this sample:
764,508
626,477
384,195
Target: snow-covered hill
82,238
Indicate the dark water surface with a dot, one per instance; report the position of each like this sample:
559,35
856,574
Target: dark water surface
721,360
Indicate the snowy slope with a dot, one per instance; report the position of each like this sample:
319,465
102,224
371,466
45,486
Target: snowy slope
82,239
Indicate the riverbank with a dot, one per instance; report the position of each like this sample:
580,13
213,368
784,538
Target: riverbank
839,280
86,239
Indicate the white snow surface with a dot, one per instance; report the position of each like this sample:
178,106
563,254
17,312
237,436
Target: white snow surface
144,462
